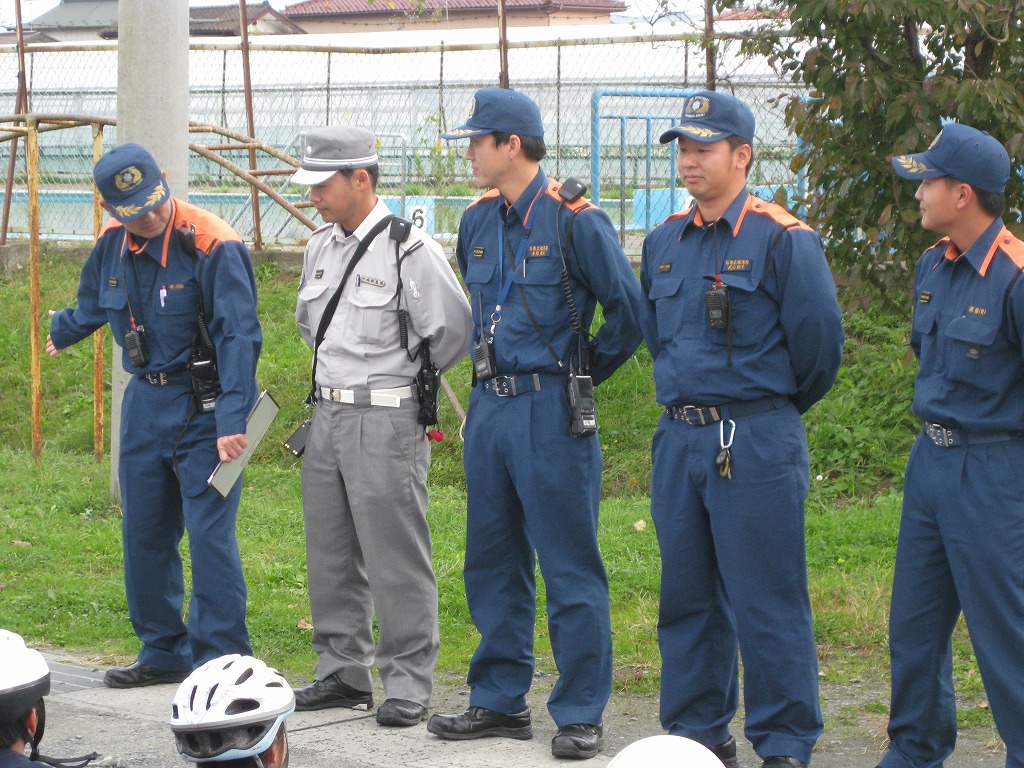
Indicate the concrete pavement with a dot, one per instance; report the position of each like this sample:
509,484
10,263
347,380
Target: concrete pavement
130,729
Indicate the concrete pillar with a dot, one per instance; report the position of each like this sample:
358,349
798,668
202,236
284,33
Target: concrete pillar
152,110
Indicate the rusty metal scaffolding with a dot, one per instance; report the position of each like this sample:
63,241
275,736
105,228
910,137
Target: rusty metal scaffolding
29,126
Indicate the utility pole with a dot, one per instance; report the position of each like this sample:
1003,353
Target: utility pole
152,110
709,44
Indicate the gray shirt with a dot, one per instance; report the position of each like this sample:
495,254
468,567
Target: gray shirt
361,348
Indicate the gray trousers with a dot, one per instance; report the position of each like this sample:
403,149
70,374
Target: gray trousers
364,500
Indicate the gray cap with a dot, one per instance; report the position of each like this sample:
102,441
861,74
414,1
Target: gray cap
332,149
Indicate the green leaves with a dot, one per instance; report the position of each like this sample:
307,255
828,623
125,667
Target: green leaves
883,74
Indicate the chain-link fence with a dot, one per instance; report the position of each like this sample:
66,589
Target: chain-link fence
604,102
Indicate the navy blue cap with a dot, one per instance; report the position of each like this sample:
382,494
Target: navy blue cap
500,109
712,116
960,152
130,182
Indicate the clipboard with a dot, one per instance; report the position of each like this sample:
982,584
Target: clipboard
225,475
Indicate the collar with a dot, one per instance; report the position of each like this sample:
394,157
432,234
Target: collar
378,212
524,205
982,250
733,215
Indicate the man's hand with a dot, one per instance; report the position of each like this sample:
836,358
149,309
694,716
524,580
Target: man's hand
230,447
51,350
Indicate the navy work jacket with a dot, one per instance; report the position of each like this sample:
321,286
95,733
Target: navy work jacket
160,281
492,233
787,335
968,324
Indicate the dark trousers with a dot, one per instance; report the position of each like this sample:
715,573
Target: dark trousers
165,460
734,580
532,487
961,547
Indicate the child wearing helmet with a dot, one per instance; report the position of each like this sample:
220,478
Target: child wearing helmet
24,681
231,712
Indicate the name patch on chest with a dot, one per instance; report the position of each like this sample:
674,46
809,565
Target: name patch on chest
736,265
374,281
925,297
665,266
973,310
478,251
112,282
318,274
538,250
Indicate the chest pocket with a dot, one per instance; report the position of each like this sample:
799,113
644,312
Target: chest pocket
669,306
180,301
540,279
479,273
970,353
539,270
111,297
373,319
752,312
315,296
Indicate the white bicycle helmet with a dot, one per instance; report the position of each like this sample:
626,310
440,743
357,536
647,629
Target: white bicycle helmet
664,751
230,708
24,680
24,676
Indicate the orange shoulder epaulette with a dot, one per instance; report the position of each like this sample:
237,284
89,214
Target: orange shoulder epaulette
210,230
1012,247
777,213
488,195
681,214
577,205
112,223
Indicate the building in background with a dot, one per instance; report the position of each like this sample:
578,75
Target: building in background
330,16
89,20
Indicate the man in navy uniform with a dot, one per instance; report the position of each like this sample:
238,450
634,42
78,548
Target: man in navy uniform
156,264
741,318
961,540
533,486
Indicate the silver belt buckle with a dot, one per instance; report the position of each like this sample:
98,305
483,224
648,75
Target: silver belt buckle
694,416
940,435
504,386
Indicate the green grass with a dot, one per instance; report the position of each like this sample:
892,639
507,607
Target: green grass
60,554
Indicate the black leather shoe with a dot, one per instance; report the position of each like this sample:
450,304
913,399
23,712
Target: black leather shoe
332,692
137,675
578,741
726,752
778,761
477,722
401,713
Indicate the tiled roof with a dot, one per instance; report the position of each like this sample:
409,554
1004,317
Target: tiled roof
751,14
102,14
76,14
388,7
224,19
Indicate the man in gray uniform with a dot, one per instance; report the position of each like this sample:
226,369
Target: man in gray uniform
364,475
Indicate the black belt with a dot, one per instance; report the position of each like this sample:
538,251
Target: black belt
949,437
700,415
520,384
165,378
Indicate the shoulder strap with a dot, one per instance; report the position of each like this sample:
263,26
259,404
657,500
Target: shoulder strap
770,261
582,346
187,239
332,305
